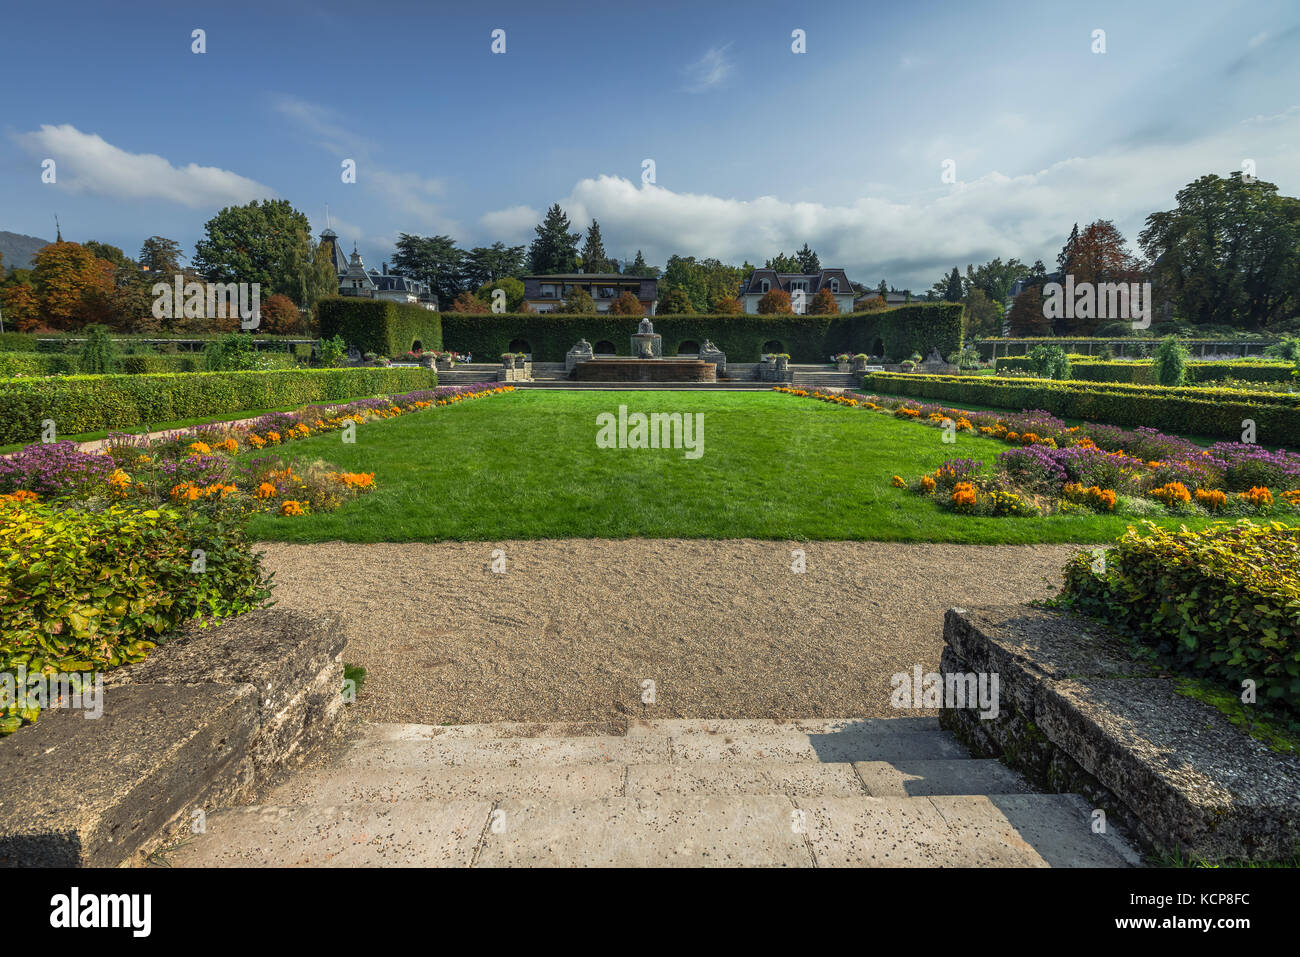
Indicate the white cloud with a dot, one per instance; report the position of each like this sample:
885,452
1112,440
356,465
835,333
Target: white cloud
709,70
512,225
913,239
87,163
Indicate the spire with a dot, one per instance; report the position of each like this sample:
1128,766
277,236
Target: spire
58,236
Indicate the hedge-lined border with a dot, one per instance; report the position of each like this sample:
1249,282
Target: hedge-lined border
1143,372
78,404
69,363
1218,413
391,328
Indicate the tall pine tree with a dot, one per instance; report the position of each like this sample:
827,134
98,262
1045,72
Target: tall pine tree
808,261
555,250
594,259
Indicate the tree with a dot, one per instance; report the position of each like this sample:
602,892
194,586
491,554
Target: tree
435,260
280,316
983,316
676,303
263,242
774,301
883,289
593,251
808,261
317,279
1065,258
468,302
995,277
627,305
784,264
1049,362
486,264
97,357
72,287
728,306
161,257
579,302
639,268
704,281
1228,253
1026,316
824,304
1097,255
555,250
513,288
21,311
876,303
111,254
953,289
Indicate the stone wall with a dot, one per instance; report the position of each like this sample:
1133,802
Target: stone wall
1078,712
209,719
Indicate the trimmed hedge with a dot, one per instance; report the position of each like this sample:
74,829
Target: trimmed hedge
379,326
1184,410
1252,342
67,363
549,336
37,363
1143,373
390,329
17,342
1220,603
79,404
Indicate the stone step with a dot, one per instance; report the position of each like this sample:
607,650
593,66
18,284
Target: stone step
1031,830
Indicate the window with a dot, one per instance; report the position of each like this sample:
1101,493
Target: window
798,284
766,285
835,285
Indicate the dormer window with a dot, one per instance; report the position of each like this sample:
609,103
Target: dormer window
835,285
767,286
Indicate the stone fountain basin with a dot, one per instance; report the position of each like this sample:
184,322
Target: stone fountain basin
611,369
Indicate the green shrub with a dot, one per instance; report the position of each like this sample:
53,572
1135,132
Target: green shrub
37,363
1049,362
379,326
98,354
90,403
87,591
1190,410
1142,372
1170,362
1222,603
17,342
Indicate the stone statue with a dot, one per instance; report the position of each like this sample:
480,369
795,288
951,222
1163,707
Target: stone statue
708,346
646,328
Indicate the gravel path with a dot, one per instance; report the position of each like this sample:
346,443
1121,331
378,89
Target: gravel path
724,628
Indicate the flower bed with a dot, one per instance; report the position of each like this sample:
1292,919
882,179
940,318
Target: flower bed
1053,467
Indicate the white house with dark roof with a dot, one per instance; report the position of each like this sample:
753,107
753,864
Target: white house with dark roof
763,281
356,280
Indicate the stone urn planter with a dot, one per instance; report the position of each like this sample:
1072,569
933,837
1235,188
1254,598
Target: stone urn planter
860,363
781,363
428,362
508,361
842,366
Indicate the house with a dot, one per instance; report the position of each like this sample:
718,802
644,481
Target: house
356,280
547,293
892,299
763,281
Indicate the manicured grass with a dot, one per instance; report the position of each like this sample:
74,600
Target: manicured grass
526,465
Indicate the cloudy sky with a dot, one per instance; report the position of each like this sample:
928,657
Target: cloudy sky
755,148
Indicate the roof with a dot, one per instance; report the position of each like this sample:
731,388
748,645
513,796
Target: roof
586,277
816,281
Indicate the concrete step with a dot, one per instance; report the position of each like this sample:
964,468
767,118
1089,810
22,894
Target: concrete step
1033,830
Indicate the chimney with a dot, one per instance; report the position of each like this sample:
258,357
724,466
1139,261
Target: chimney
385,265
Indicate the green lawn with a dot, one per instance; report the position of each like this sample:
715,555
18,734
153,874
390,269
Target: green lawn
526,465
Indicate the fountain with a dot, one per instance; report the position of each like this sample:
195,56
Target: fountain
647,363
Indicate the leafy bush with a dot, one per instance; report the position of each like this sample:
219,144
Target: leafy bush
1049,362
98,355
1170,362
79,404
87,590
1222,603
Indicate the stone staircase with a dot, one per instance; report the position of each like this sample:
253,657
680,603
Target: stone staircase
821,377
824,793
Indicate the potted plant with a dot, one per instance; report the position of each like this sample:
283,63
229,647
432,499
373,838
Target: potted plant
908,365
841,362
860,362
429,359
508,360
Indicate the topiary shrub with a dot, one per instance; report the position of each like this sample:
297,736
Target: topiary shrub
98,355
1049,362
1170,362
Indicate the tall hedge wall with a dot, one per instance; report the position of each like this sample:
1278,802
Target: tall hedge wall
79,404
379,326
1217,413
388,329
901,331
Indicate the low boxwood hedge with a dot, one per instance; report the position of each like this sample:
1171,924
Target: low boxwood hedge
79,404
1184,410
1222,603
1142,372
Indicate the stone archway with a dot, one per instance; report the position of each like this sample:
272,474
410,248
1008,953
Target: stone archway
773,345
688,348
878,347
520,345
417,346
604,348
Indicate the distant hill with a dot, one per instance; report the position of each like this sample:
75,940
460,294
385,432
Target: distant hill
18,250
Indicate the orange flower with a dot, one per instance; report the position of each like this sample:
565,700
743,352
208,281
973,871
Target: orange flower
1259,496
1212,499
897,482
963,495
927,484
265,490
230,446
290,507
199,448
1172,493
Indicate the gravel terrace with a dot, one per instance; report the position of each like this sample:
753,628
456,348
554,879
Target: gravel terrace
569,631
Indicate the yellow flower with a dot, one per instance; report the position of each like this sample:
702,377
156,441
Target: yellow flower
265,490
199,448
290,507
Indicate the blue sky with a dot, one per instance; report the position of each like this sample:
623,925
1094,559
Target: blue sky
756,148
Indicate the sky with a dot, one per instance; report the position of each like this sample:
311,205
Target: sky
756,149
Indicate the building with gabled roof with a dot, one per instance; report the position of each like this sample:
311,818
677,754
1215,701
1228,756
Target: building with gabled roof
763,281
